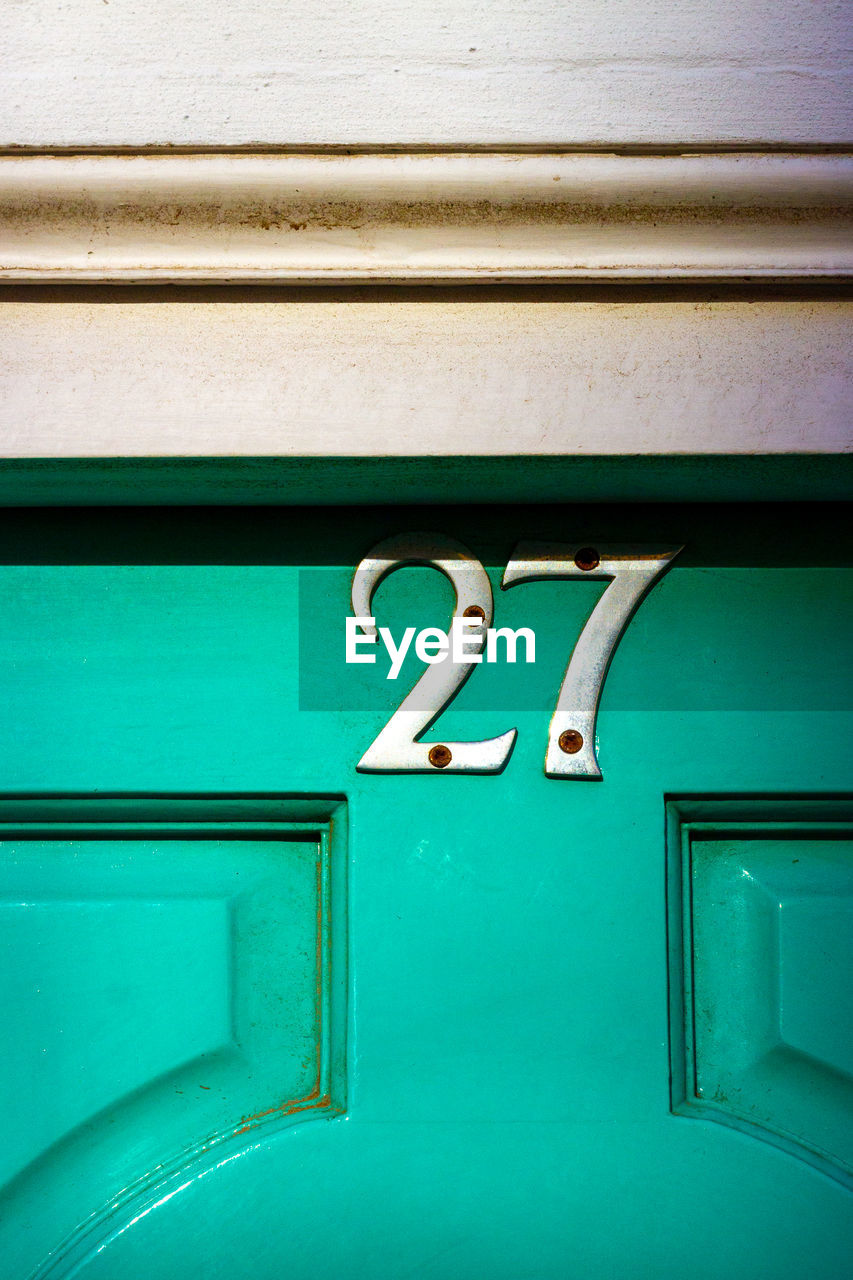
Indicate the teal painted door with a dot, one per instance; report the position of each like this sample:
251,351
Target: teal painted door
266,1016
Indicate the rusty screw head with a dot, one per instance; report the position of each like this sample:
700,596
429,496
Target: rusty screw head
474,611
440,755
587,558
570,741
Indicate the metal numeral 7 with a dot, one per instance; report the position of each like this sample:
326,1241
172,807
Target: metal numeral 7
632,570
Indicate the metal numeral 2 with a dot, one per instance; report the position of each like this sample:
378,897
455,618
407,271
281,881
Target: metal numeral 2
571,736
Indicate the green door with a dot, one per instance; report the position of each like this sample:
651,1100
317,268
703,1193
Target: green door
267,1015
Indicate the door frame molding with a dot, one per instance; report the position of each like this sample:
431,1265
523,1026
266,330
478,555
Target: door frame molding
426,216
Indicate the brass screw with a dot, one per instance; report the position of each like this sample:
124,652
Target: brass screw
440,755
587,558
570,741
474,611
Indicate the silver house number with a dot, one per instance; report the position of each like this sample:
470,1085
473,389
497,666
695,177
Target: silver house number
398,748
571,750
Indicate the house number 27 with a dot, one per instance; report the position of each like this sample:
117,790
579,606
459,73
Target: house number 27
570,753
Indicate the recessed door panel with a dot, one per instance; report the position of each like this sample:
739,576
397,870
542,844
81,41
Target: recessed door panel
761,917
167,968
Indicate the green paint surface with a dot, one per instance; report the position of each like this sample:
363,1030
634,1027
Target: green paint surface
500,1084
